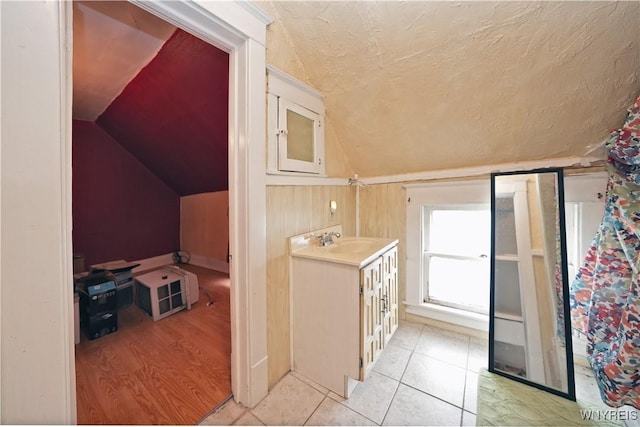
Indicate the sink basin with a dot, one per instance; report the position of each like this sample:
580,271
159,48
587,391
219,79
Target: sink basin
346,250
352,246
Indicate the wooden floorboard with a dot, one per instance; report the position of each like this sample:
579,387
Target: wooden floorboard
173,371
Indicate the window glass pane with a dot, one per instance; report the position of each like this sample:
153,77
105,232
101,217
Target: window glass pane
164,306
460,232
461,282
299,137
175,287
176,300
163,291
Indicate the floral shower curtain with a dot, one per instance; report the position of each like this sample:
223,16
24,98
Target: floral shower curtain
605,303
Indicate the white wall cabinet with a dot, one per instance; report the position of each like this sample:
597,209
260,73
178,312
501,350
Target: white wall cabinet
295,126
343,316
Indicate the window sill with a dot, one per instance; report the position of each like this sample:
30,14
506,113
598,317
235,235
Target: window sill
467,319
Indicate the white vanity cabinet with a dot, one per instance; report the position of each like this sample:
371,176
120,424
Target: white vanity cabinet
344,311
390,292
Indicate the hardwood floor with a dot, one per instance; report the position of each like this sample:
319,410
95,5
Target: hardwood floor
173,371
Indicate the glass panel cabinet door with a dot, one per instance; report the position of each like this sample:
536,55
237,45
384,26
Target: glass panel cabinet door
298,136
300,141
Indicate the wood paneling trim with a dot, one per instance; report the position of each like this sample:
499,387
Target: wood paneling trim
294,210
204,225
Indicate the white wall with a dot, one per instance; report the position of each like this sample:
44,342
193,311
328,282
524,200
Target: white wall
36,293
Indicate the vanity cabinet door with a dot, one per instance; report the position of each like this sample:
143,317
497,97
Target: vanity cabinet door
390,293
372,341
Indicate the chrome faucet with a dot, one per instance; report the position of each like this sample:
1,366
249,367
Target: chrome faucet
327,238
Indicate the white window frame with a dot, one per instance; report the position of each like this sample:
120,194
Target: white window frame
588,192
578,188
427,253
437,194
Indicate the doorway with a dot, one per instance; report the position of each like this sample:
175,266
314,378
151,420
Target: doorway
150,156
247,189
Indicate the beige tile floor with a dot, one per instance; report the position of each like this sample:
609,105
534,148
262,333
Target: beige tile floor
425,376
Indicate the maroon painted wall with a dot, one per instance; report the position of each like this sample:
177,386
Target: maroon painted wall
174,115
120,209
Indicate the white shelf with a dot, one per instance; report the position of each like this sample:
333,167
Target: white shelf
507,316
507,257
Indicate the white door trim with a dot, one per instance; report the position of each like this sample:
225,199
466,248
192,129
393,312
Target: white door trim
239,29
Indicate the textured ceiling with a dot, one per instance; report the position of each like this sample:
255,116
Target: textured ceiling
418,86
421,86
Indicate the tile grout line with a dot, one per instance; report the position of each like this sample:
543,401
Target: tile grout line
420,333
401,376
390,402
326,396
429,394
464,391
351,409
257,418
413,352
434,396
466,377
403,371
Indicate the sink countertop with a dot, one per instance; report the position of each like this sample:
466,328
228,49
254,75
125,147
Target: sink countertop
356,251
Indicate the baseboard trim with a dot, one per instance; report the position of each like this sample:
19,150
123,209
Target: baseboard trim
258,381
213,264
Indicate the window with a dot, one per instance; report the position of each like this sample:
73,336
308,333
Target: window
456,248
582,223
428,298
444,238
584,209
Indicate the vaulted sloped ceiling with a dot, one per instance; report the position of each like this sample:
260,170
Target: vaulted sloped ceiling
157,90
112,42
424,85
173,115
409,86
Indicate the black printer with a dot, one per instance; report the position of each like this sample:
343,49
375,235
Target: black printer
98,304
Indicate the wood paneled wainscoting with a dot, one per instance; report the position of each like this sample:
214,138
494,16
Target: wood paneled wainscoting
294,210
173,371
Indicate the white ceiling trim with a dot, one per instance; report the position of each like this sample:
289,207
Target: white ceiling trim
585,161
482,170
